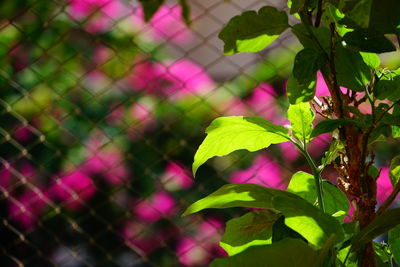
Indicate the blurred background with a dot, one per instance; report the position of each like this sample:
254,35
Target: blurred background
100,117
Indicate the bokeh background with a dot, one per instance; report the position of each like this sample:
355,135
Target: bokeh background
100,117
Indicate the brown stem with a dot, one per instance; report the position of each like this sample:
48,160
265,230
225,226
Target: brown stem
319,14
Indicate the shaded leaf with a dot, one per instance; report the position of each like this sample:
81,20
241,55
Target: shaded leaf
301,117
388,89
252,31
322,34
299,93
150,7
287,252
253,228
227,134
306,63
280,231
327,126
351,70
367,41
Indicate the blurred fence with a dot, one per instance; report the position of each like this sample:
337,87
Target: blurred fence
100,117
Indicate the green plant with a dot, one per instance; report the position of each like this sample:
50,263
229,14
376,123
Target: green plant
304,225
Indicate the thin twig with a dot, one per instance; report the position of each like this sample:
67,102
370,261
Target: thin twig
319,14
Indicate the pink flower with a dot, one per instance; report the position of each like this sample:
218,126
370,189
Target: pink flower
23,134
100,13
172,79
190,253
108,164
27,207
159,205
166,24
384,186
5,176
176,177
289,151
138,235
263,171
321,87
318,145
73,190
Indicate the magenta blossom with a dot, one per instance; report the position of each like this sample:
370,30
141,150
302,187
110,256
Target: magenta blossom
263,171
190,253
5,176
101,14
26,208
176,177
384,186
289,151
172,79
137,235
159,205
165,25
73,190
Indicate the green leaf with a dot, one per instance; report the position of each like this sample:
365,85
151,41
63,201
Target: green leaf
395,131
252,229
367,41
333,152
351,71
385,16
185,11
388,89
372,60
327,126
227,134
252,31
301,216
334,15
306,63
301,117
394,172
381,254
150,7
280,231
303,185
299,93
287,252
322,34
358,11
296,6
380,225
394,243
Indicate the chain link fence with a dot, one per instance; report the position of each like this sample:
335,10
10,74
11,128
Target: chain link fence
101,115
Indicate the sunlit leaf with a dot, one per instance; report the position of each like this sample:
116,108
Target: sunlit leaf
314,225
252,31
253,228
227,134
301,117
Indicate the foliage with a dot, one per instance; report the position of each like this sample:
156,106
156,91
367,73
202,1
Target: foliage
339,40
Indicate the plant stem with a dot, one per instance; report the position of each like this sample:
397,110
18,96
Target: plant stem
319,14
316,173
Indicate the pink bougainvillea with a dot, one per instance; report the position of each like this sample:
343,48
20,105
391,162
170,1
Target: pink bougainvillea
176,177
159,205
264,171
174,79
26,208
73,190
165,25
384,186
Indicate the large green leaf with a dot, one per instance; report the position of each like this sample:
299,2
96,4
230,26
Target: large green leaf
394,172
351,70
301,117
367,41
253,228
299,93
227,134
287,252
252,31
301,216
394,243
372,60
306,64
303,185
380,225
150,7
358,11
321,34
